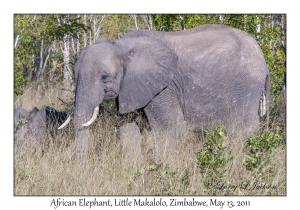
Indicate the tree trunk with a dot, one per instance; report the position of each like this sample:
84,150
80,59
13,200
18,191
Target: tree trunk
48,51
90,41
135,22
43,59
181,22
40,60
65,49
67,72
150,23
221,20
245,22
84,34
258,26
283,31
94,28
97,27
77,41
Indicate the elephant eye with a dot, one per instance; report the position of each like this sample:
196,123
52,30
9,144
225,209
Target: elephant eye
105,78
130,54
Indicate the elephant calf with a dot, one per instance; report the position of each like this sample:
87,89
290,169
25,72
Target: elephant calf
40,121
20,113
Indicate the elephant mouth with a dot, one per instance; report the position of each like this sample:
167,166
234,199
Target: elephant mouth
110,94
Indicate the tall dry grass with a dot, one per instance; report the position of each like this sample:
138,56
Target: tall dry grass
47,167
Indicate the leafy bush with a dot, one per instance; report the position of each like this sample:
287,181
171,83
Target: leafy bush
261,146
211,159
211,156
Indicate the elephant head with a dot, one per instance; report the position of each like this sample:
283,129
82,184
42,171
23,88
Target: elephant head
19,113
134,69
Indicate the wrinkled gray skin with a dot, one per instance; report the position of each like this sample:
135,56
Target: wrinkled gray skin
194,79
19,113
39,121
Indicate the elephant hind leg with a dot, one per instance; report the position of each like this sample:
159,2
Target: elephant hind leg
167,122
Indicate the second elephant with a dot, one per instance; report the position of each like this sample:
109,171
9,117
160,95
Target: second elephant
39,122
20,113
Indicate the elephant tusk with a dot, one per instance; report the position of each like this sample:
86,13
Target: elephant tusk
65,123
92,120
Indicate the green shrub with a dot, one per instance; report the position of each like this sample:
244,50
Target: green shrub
261,146
211,156
211,159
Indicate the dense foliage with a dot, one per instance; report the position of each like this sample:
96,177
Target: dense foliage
46,46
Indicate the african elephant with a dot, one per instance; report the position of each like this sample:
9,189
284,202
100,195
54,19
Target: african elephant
19,113
194,79
39,121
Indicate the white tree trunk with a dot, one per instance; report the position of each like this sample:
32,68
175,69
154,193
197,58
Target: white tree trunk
257,24
181,22
90,19
135,22
17,39
65,49
43,59
150,23
221,21
283,32
263,103
67,72
39,70
94,28
97,27
245,22
77,41
48,51
84,34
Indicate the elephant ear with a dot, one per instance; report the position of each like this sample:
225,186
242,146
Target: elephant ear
149,67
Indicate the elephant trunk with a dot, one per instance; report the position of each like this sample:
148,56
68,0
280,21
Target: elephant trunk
87,102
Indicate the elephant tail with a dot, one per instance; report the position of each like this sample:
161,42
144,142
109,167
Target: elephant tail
268,98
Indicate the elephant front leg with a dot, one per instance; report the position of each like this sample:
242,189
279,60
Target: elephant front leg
130,137
167,122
